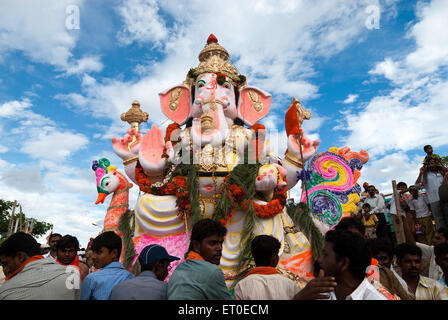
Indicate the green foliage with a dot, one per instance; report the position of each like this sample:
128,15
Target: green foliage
301,217
124,226
40,227
445,160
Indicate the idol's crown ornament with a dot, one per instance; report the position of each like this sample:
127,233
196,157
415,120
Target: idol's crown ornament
215,59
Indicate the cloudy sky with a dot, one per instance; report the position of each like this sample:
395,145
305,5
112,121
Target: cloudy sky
373,73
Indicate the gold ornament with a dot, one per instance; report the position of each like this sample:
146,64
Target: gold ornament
214,58
256,102
174,99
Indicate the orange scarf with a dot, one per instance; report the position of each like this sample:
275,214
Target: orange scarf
75,262
263,270
194,256
33,258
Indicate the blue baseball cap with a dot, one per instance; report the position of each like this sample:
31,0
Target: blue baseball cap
153,253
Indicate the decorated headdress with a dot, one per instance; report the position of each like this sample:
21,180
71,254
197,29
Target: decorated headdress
101,168
215,59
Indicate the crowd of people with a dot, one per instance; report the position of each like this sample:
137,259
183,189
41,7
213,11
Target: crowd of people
383,251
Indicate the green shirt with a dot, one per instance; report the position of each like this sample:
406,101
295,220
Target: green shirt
197,280
434,156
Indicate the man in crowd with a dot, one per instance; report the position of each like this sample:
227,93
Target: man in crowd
149,285
441,253
376,203
420,209
67,249
106,249
345,258
431,178
429,266
31,277
409,258
199,277
353,225
382,251
264,282
399,217
53,241
386,284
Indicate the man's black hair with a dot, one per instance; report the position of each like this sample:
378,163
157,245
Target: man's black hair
68,241
402,184
54,235
108,239
381,245
443,231
366,205
426,147
407,248
205,228
440,250
347,244
263,248
20,242
350,222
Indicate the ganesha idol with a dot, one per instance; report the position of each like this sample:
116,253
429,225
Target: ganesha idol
213,162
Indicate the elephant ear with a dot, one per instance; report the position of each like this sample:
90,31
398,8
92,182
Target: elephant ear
175,103
254,105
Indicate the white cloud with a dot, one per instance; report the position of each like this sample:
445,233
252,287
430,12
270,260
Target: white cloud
14,108
38,29
54,145
268,43
141,22
85,64
431,40
350,98
413,113
57,194
395,166
25,179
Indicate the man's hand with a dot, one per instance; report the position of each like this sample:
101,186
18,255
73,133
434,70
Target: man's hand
318,288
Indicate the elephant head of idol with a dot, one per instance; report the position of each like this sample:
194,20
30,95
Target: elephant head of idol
214,97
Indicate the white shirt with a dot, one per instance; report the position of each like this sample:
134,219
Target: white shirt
266,287
376,204
433,182
49,256
400,279
365,291
393,208
420,206
435,272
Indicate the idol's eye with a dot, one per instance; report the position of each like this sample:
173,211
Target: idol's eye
200,84
227,85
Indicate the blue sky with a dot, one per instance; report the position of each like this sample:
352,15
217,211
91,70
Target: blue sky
62,89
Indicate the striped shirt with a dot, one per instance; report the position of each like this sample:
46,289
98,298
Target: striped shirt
99,285
429,289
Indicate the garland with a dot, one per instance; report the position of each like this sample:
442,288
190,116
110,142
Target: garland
176,186
273,207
